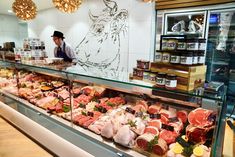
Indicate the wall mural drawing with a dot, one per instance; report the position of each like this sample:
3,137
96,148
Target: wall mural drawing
99,53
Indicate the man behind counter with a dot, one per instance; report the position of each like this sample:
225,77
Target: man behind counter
63,50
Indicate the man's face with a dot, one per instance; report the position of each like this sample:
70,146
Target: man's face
57,41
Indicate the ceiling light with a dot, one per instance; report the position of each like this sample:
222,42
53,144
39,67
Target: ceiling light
9,11
24,9
67,6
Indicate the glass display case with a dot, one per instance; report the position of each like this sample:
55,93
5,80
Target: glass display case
82,109
221,51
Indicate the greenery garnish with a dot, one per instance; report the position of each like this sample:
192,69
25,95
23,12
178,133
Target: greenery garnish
131,123
188,151
153,142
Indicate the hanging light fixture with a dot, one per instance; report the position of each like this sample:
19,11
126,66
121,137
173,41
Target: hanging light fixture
24,9
67,6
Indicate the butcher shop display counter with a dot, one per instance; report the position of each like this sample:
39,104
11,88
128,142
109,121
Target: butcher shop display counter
110,117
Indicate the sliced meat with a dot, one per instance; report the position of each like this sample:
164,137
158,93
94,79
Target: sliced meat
165,113
87,123
160,148
182,115
83,120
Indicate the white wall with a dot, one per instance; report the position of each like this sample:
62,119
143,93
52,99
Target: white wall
141,23
12,30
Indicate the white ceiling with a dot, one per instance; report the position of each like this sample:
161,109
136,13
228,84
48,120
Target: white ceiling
5,5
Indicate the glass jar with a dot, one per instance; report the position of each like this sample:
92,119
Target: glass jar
171,81
201,57
152,77
192,44
181,45
142,64
166,57
195,57
186,58
135,71
175,57
146,76
161,79
140,73
171,44
202,44
158,56
164,44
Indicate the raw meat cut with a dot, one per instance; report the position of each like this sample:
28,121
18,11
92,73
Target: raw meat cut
182,115
168,136
125,136
143,140
151,129
153,109
197,135
199,117
156,123
160,148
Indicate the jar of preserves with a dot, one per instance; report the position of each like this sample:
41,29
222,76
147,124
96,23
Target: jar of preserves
152,77
186,58
161,79
158,56
201,57
202,44
135,71
140,73
142,64
175,57
171,81
195,57
171,44
164,44
181,45
192,44
146,76
166,57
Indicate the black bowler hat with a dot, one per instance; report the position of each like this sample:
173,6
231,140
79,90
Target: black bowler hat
58,34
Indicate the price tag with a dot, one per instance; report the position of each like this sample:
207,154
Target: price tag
167,127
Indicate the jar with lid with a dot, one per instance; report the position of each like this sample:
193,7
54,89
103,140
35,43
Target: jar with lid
186,58
166,57
181,45
135,71
175,57
146,76
201,57
195,57
158,56
201,44
164,44
161,79
140,73
152,77
171,81
172,43
192,44
142,64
